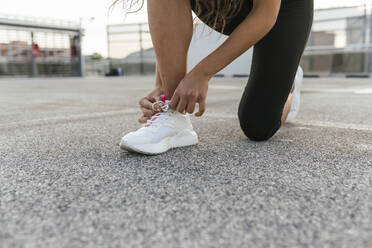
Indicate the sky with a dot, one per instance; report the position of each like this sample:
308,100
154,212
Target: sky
94,15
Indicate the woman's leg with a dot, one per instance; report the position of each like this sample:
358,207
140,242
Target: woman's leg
275,61
171,28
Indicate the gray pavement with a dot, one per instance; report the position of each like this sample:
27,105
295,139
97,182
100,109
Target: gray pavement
65,183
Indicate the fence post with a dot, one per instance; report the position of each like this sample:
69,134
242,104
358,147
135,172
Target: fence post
142,66
81,59
33,63
108,47
367,37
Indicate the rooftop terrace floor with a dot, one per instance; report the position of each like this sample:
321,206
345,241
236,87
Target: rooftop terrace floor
65,183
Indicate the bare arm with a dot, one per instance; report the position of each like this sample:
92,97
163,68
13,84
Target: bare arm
194,86
256,25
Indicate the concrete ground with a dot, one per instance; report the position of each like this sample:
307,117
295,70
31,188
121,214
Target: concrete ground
65,183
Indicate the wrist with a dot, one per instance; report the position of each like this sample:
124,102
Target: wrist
201,70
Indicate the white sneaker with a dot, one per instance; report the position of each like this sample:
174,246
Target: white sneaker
165,130
296,94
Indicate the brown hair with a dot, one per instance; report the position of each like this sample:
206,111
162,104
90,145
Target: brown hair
215,13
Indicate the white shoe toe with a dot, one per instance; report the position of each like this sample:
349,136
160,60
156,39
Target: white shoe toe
134,139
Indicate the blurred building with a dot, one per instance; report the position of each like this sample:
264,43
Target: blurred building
340,42
204,41
35,47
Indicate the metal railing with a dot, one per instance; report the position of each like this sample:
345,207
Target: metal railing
43,21
340,43
34,47
130,48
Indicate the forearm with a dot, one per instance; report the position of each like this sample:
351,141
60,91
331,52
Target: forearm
249,32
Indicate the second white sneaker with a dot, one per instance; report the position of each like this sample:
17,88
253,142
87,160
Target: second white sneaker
296,94
164,131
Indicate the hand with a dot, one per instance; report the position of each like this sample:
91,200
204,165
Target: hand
146,104
191,90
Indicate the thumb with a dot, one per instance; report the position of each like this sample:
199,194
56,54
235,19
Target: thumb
174,101
201,108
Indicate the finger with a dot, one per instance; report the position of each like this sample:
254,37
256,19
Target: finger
143,119
151,98
190,107
158,107
181,105
174,101
145,103
201,108
147,112
157,98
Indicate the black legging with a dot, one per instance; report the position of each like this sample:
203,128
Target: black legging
275,61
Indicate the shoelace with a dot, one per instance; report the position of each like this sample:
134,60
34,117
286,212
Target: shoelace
159,117
163,105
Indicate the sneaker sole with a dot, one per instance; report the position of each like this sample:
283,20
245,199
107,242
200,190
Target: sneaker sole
182,139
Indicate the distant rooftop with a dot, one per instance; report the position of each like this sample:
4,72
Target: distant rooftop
39,22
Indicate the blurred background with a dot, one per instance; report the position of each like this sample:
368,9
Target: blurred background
88,38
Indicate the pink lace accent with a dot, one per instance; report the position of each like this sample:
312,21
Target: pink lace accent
152,120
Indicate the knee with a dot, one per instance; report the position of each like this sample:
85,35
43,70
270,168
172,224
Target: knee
258,129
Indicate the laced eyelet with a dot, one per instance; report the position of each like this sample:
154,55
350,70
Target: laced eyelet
163,106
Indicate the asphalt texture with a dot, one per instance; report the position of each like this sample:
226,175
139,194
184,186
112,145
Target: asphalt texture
64,182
